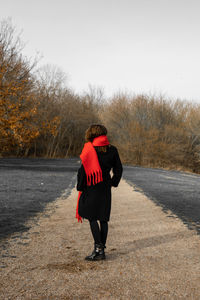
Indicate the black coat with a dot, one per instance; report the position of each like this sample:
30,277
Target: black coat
95,200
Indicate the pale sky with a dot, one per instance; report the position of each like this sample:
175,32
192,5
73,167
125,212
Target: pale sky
142,46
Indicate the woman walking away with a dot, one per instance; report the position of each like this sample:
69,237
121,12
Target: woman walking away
94,185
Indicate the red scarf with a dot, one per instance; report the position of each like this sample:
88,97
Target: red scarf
91,164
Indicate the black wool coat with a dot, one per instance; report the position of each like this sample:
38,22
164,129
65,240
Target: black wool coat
95,200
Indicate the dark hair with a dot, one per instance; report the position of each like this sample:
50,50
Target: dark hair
94,131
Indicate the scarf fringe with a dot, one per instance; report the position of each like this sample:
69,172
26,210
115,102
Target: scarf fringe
94,177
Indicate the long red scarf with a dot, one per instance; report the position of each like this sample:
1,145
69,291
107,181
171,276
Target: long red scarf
91,164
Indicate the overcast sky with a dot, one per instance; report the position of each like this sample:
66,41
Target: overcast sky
143,46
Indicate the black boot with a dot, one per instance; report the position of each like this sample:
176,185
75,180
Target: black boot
97,254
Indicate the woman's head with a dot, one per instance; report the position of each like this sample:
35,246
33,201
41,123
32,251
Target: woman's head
94,131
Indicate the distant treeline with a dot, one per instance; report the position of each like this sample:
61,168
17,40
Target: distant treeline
41,117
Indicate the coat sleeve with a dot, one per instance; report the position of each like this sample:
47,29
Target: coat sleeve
81,179
117,169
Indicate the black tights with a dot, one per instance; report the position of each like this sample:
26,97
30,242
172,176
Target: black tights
99,233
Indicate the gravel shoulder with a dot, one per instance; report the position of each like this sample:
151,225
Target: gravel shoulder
150,254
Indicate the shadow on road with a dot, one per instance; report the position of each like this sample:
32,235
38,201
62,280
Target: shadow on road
132,246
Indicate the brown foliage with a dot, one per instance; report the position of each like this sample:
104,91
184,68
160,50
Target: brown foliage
17,103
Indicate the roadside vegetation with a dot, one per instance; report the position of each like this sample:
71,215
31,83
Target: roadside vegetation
40,116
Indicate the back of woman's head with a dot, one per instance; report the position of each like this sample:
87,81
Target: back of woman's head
94,131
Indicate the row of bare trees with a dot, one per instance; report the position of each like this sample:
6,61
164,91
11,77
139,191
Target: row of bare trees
69,114
41,116
153,131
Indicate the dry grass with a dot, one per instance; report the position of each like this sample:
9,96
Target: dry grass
149,255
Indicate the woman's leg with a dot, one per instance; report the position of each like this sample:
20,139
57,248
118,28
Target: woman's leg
98,252
94,226
103,231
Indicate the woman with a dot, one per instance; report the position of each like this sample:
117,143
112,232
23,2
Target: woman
94,185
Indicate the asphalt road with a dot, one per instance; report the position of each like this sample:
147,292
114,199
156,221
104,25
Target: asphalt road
27,185
174,191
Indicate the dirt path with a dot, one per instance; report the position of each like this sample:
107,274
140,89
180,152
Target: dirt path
150,255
